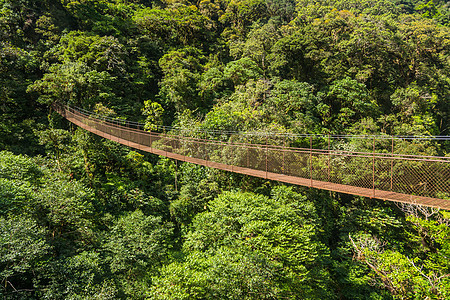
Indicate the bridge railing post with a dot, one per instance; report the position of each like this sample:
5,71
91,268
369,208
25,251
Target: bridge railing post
267,152
328,154
310,161
206,147
150,134
284,154
373,166
119,130
248,152
392,162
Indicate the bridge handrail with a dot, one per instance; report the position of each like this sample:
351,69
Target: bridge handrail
256,133
334,152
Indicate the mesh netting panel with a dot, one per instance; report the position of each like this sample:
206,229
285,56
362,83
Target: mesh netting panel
338,166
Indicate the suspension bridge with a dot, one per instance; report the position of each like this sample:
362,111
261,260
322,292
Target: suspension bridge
381,173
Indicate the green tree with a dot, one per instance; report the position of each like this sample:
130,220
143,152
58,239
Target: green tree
242,13
249,246
181,69
420,275
242,70
74,84
137,246
293,104
178,24
23,248
258,44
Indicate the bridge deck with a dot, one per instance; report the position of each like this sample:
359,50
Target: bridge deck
342,188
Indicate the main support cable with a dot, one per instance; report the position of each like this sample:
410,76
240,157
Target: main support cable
416,179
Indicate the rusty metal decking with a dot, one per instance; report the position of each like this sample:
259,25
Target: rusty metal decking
401,178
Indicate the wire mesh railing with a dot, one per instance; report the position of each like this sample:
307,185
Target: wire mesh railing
380,173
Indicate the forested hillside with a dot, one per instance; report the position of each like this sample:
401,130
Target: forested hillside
82,217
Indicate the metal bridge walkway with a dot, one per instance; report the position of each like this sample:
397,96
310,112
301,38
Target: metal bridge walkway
401,178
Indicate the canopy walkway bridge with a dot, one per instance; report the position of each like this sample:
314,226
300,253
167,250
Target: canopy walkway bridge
380,173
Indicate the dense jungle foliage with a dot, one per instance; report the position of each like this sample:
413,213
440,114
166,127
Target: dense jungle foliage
85,218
